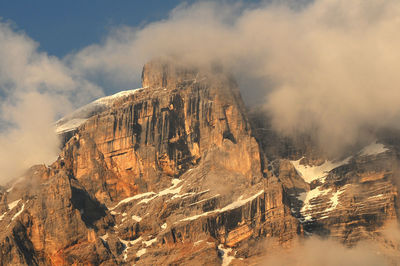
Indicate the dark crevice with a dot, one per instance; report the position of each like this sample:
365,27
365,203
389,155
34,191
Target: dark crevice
91,210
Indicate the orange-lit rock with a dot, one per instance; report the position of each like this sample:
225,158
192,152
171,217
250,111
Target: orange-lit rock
175,173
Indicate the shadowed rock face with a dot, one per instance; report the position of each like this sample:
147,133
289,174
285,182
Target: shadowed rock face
172,173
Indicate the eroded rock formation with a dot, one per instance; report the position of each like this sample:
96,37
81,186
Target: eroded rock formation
174,173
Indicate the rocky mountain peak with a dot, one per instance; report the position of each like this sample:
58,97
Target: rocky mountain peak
173,174
163,73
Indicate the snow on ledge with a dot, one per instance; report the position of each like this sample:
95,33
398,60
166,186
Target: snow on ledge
238,203
128,245
18,213
136,218
141,252
306,198
70,125
149,196
174,189
311,173
373,149
81,115
226,259
139,196
13,204
334,200
104,237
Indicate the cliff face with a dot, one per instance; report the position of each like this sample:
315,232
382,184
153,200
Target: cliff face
161,132
350,199
170,169
172,174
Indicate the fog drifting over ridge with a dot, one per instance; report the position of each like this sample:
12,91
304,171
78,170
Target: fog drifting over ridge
316,251
328,67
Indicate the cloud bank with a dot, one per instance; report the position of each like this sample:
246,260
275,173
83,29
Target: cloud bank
34,89
315,252
327,67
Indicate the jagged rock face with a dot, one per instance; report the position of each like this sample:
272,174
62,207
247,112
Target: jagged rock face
172,174
51,222
160,132
354,200
351,199
168,174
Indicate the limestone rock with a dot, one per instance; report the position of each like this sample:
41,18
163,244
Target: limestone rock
175,173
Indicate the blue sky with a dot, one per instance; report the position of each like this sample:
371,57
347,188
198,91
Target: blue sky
61,27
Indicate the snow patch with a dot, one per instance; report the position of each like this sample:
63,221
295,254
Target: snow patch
238,203
203,200
189,194
311,173
306,197
171,190
183,195
376,196
136,218
334,200
18,213
13,204
133,242
147,200
141,252
81,115
373,149
226,259
139,196
70,125
198,242
128,244
125,254
110,99
104,237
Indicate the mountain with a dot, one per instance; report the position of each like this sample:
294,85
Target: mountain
178,172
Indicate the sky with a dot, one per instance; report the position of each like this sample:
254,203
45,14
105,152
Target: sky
61,27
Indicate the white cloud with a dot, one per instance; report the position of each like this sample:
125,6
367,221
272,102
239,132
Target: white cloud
329,67
315,251
35,89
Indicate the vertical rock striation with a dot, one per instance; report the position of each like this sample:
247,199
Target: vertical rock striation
172,173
